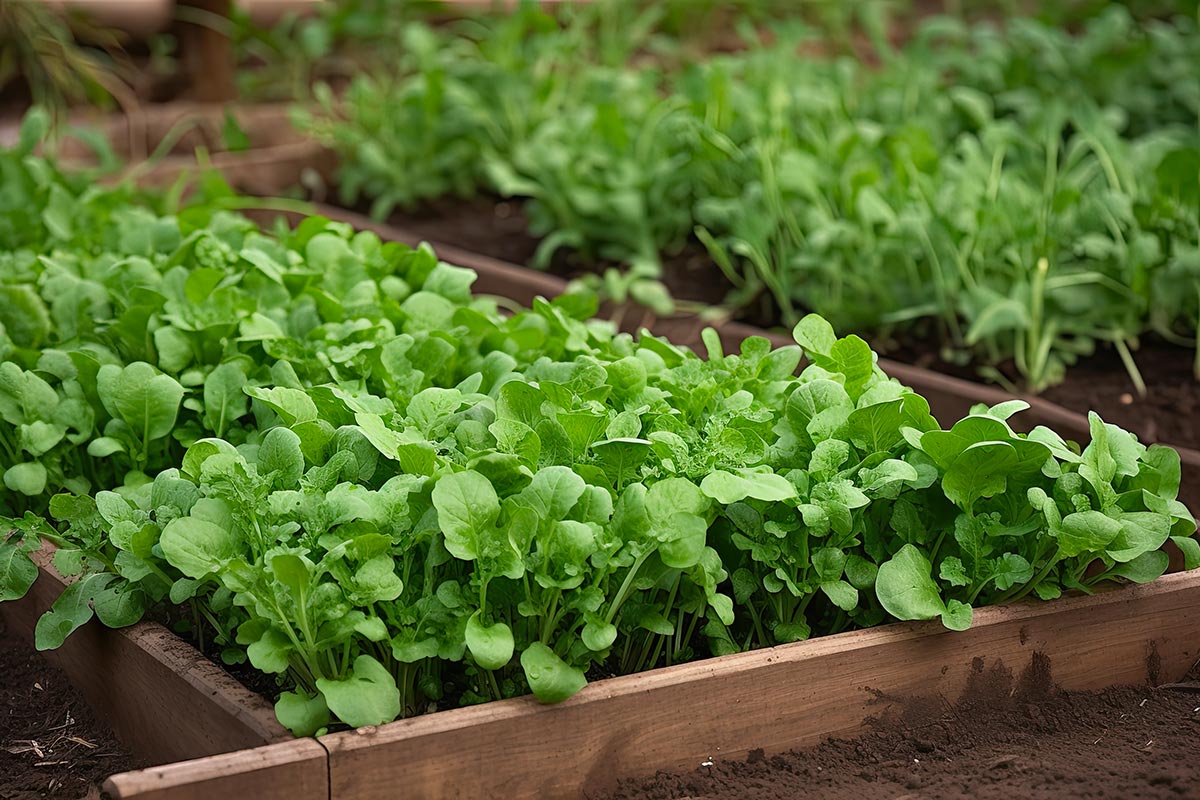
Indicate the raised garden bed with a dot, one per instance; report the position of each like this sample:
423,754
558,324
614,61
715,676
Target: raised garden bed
763,703
167,702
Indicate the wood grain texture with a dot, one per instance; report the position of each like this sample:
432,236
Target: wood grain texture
162,698
781,698
294,770
206,51
949,398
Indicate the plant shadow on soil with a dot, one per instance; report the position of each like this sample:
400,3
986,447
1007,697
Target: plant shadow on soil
1167,413
52,747
1006,736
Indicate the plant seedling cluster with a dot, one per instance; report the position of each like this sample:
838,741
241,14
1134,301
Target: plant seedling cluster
1019,194
325,456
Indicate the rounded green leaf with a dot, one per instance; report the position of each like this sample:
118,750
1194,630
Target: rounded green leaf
28,478
197,547
905,586
491,645
466,504
551,679
301,714
368,697
1086,532
17,572
727,487
599,635
141,396
270,652
104,446
120,605
682,540
280,456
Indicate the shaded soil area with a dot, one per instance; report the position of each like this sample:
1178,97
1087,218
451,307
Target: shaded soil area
1006,737
51,746
176,621
1167,413
500,229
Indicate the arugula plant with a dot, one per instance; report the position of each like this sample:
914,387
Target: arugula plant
956,192
323,455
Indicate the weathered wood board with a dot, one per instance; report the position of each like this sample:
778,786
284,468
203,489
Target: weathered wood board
161,697
776,699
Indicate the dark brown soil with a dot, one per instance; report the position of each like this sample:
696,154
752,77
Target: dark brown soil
485,225
499,228
1168,411
51,746
1004,738
1100,383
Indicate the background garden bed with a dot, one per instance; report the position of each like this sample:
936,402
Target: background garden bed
499,229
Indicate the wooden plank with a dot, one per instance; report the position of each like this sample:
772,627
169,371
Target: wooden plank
138,17
776,699
162,698
275,161
206,51
294,770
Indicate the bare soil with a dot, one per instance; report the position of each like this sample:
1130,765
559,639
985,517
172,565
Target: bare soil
51,745
1005,737
1167,413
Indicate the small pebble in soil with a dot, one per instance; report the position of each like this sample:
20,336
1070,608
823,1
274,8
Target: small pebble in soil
1126,399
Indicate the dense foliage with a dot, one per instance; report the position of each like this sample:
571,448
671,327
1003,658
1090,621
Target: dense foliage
331,459
1023,193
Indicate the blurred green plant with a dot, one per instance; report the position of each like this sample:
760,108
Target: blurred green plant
1020,192
61,59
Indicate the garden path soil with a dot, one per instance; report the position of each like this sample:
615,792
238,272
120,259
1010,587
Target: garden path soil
1168,413
51,746
1004,738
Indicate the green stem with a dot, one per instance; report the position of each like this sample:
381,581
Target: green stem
626,585
1038,578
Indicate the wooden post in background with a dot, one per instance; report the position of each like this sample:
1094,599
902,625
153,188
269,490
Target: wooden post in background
206,51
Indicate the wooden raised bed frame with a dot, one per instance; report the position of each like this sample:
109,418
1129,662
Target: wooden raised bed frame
274,161
176,709
674,718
